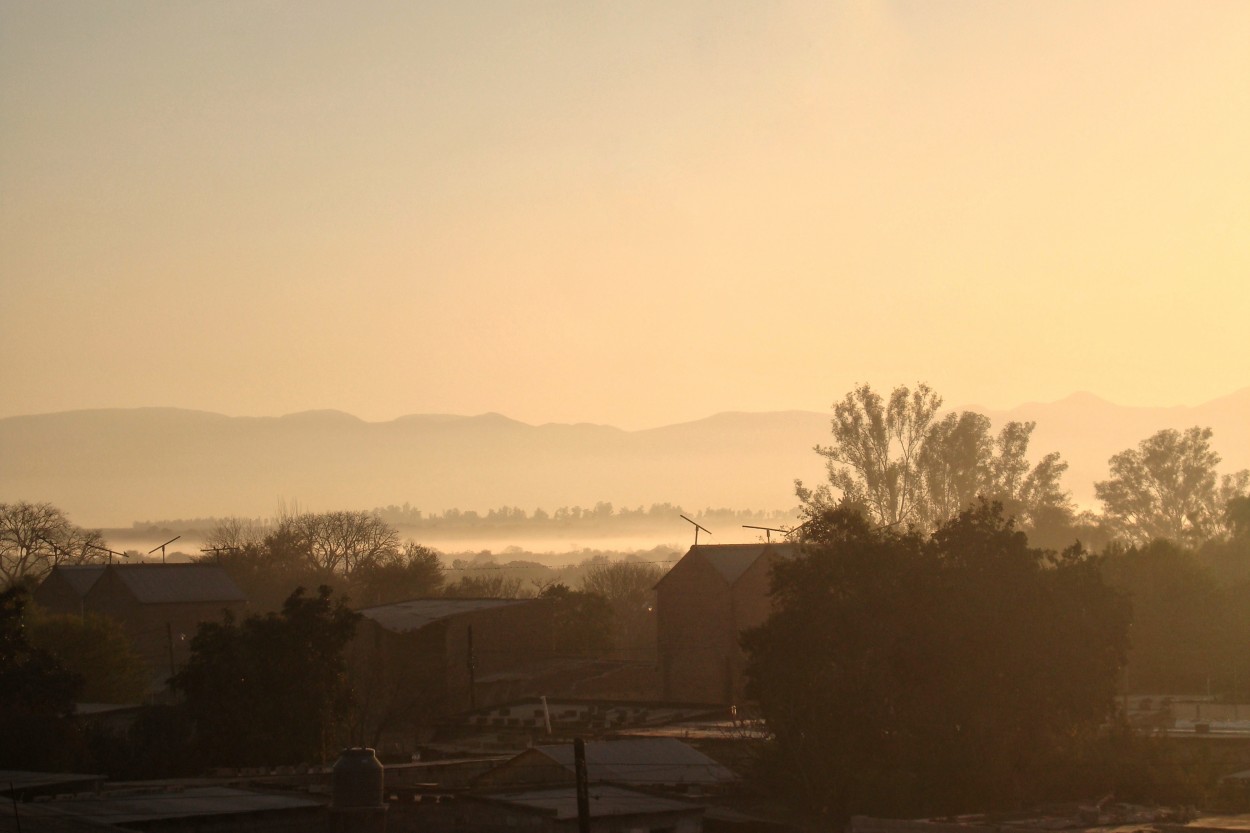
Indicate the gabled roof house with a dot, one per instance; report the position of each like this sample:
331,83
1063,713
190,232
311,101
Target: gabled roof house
702,606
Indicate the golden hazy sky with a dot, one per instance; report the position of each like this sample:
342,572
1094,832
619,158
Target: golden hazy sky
623,212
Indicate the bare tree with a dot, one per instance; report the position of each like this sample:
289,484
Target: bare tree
236,533
343,542
629,587
35,537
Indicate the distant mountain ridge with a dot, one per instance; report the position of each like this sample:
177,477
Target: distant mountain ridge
111,467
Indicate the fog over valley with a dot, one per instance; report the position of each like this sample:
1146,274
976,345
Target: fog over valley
113,468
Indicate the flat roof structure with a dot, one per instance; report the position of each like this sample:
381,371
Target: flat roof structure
561,802
415,614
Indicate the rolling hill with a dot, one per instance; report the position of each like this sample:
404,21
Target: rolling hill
111,467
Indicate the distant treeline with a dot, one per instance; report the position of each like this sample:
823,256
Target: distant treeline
602,517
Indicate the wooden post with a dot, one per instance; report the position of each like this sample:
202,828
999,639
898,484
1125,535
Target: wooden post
583,785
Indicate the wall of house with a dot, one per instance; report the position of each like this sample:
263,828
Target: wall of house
155,629
699,621
55,595
696,635
505,640
751,606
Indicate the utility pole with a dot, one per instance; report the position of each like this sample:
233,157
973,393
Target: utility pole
169,637
583,785
472,663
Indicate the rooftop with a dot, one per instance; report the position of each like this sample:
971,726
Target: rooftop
173,583
80,577
643,761
732,560
135,807
561,802
417,613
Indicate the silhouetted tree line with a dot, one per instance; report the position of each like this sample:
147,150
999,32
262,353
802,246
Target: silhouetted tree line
602,517
906,673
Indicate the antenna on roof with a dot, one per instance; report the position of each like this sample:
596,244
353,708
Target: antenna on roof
799,529
161,547
696,529
768,531
56,549
217,551
109,551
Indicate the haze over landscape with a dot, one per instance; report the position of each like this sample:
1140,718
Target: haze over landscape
111,468
368,370
631,215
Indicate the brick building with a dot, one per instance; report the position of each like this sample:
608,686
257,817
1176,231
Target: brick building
414,662
64,589
159,605
702,605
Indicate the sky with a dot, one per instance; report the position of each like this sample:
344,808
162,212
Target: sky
626,213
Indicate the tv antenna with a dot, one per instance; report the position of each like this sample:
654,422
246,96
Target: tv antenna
161,547
768,531
798,528
696,529
109,551
56,549
217,551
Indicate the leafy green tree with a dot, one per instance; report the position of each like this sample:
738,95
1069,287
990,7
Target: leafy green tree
1181,621
270,689
908,468
97,649
35,537
37,694
1168,487
581,621
414,572
1228,557
908,674
876,451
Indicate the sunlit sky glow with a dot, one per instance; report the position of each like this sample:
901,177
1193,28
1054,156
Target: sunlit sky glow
631,213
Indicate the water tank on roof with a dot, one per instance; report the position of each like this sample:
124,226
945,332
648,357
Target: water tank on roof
357,779
356,788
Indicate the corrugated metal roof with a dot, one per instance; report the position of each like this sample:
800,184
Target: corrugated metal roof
170,583
643,761
415,614
732,560
193,802
561,802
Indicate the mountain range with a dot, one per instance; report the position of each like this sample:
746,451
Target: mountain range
112,467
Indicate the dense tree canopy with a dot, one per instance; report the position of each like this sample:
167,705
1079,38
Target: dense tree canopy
36,693
1185,638
356,553
1168,487
911,674
97,649
268,689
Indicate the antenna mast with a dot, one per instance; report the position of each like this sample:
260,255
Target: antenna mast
768,531
161,547
109,551
696,529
